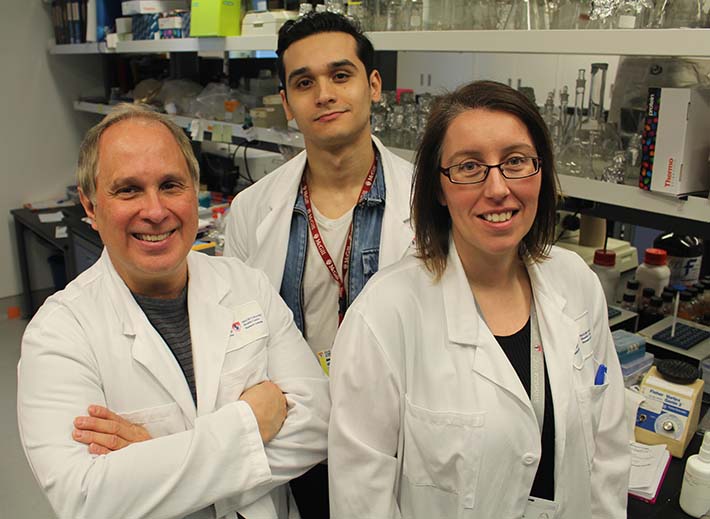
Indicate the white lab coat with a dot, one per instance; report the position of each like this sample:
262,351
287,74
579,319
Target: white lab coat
92,344
429,418
259,222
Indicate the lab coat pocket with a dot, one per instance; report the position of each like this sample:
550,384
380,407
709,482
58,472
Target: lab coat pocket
442,450
161,420
234,382
591,403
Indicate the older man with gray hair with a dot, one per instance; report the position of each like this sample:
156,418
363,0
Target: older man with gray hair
163,382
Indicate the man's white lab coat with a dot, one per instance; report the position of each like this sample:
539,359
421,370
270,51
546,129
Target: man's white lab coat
259,222
92,344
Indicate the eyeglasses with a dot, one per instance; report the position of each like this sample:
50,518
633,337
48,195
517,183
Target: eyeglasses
472,172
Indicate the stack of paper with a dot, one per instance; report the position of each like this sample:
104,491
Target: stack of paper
649,464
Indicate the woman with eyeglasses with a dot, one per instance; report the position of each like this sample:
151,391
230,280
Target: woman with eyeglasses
479,378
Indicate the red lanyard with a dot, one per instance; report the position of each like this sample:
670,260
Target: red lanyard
320,244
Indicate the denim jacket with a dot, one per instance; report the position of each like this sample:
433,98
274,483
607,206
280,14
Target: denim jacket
364,255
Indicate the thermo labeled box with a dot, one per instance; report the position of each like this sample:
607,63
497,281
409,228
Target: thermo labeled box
216,18
676,141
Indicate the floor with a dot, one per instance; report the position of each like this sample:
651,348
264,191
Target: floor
20,497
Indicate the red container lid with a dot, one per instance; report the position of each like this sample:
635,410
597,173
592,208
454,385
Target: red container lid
605,258
655,256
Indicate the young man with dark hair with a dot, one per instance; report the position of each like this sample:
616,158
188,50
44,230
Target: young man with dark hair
323,223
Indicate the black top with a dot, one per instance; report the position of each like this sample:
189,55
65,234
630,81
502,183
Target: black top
170,319
517,349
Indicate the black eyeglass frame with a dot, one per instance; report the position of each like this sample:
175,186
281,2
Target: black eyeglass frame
537,162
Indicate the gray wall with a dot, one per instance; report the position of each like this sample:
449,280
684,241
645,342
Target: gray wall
40,134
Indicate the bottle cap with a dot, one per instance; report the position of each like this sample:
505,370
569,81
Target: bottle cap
628,298
655,256
656,301
705,447
633,284
699,287
667,297
686,296
648,292
605,258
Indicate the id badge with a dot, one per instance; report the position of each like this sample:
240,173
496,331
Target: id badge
538,508
324,361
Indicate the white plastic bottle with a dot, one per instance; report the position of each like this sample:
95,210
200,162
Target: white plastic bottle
653,272
695,492
604,268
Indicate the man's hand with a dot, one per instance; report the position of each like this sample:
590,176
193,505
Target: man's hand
104,431
268,404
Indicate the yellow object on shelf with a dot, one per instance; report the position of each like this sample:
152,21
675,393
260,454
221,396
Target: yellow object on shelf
215,18
669,414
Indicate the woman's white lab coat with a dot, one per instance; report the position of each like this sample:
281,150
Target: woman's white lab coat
92,344
429,418
259,222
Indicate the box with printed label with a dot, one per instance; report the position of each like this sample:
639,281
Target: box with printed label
215,18
675,143
130,7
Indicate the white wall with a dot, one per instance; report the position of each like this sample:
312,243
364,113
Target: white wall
41,132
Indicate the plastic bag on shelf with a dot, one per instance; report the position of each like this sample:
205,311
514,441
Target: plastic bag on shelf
179,93
209,104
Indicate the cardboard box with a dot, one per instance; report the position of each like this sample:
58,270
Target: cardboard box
676,141
267,22
131,7
215,18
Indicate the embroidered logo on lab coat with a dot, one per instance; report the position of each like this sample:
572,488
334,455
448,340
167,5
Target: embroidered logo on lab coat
236,326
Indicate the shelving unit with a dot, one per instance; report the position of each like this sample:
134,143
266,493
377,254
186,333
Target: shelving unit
637,42
80,48
626,203
694,211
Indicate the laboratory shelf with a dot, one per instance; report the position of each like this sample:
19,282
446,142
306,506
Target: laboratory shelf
251,43
170,45
631,197
629,42
79,48
650,208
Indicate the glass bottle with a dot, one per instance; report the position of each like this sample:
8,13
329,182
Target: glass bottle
628,302
686,307
413,15
633,160
652,313
304,9
393,15
646,295
667,298
573,158
551,118
356,12
335,6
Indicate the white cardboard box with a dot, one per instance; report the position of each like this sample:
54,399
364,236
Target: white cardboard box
676,141
267,22
152,6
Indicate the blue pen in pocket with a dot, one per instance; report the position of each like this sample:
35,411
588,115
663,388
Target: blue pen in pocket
600,377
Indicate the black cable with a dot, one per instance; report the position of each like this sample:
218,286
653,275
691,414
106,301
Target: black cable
565,229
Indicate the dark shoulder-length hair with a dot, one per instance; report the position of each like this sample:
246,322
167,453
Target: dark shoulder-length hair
432,222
